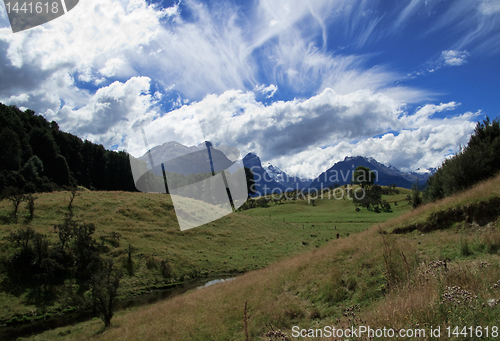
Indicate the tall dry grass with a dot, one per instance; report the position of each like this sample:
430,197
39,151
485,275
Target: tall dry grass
482,191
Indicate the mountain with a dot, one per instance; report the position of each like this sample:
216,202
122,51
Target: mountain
177,158
282,178
264,183
268,179
341,173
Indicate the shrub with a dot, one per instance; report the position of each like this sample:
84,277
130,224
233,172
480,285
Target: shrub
30,199
151,263
165,269
464,247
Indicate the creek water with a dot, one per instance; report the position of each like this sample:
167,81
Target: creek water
8,333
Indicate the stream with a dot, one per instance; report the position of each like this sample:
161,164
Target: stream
8,333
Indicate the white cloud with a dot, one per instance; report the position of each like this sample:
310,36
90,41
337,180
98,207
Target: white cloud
447,58
489,7
424,114
97,39
407,12
218,58
113,112
478,21
454,58
422,148
304,137
267,90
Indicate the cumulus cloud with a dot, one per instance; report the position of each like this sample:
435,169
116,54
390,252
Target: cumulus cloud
94,40
408,150
112,113
454,58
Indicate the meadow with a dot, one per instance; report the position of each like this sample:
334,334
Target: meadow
236,244
443,278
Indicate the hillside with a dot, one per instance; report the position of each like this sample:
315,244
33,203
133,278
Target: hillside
415,280
235,244
38,157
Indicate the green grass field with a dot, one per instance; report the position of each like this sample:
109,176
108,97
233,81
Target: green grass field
237,243
370,278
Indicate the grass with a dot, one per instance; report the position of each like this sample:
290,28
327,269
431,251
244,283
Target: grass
387,280
237,243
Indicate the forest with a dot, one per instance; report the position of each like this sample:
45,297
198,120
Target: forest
36,156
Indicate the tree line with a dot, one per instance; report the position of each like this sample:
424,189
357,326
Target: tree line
38,157
476,162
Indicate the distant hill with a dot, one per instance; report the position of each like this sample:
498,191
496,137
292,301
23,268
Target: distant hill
341,173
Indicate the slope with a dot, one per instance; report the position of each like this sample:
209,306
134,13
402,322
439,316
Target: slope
443,278
235,244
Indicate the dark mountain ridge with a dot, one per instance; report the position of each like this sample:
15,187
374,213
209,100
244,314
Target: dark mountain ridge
341,173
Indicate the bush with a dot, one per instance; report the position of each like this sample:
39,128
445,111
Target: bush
165,269
386,207
464,247
151,263
416,197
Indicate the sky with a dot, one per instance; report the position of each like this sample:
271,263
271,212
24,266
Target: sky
302,84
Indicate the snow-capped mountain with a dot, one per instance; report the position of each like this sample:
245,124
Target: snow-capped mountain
264,184
283,178
341,173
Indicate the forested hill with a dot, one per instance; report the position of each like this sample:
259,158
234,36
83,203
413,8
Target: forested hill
35,156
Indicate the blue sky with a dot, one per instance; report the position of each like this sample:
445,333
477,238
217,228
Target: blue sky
301,83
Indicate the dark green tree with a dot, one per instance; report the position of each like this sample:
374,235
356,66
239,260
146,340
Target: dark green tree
61,171
363,177
10,151
416,196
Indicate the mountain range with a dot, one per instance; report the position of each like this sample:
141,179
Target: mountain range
339,174
270,179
